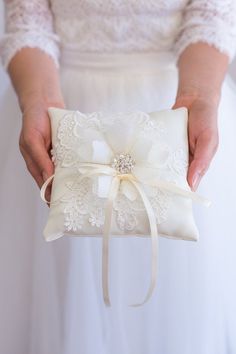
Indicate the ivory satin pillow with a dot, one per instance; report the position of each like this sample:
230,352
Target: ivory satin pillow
120,175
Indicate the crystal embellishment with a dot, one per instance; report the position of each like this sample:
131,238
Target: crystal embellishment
123,163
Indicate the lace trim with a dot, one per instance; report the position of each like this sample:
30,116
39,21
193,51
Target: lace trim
210,22
225,44
12,44
28,23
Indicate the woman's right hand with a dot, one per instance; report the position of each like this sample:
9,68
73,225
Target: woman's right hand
35,141
36,81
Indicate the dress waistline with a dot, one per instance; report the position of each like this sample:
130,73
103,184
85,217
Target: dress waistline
131,61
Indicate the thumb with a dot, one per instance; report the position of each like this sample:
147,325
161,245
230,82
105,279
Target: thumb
45,165
203,153
41,158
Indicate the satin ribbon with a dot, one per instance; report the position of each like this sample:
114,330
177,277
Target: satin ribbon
88,169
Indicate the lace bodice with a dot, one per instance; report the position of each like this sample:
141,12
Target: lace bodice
117,25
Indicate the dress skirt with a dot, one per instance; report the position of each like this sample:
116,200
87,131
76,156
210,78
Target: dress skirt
51,292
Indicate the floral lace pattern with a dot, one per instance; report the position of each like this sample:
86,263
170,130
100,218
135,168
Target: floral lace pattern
73,145
81,204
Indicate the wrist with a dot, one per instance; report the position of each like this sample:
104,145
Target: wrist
187,95
202,69
41,99
35,78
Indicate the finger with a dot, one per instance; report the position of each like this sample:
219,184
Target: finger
205,148
32,167
38,162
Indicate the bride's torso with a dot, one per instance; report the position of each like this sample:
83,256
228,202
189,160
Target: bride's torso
117,25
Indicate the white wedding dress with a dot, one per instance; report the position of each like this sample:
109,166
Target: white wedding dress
116,55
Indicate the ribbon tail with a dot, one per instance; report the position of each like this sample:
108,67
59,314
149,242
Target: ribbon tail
105,244
154,244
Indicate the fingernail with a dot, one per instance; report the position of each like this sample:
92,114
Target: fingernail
45,176
196,180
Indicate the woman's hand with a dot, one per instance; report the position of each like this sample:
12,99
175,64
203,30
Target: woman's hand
202,69
35,141
202,134
36,81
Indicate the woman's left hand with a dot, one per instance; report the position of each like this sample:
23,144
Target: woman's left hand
201,71
202,134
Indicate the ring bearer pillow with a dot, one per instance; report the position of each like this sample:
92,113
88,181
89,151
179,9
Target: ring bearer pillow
120,174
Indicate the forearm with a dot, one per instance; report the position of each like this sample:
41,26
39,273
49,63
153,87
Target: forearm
202,69
35,79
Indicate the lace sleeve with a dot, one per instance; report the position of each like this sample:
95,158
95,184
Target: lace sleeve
209,21
28,23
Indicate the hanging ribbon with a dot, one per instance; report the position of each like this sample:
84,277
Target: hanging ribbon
88,169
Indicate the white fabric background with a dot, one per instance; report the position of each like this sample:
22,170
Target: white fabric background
16,284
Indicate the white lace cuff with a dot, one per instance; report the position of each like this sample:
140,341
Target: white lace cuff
212,22
224,41
11,43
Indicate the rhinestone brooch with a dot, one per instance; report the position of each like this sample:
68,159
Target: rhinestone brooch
123,163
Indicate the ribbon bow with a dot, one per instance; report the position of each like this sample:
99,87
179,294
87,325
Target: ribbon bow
88,169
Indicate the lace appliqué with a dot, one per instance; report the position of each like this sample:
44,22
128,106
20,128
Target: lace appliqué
82,204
